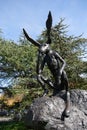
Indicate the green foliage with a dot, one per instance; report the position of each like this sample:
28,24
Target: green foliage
13,126
71,48
17,60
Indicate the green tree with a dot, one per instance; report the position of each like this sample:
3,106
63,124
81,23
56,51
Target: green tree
17,60
71,48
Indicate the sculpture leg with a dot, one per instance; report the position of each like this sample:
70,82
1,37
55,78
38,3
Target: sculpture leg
41,81
67,100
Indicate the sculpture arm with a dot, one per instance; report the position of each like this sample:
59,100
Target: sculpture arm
40,64
41,79
62,61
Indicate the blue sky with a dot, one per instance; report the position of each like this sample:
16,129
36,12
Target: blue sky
32,14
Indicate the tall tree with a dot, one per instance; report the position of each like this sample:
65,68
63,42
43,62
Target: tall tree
70,48
19,60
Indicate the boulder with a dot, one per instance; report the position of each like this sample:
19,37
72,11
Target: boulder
45,113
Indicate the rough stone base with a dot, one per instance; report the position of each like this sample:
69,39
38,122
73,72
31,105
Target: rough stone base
45,113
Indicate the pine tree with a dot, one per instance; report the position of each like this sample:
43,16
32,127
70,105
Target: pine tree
70,48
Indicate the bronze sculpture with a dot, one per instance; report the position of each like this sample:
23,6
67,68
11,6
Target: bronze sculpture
53,59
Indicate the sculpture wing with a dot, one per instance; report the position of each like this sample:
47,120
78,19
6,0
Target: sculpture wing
30,39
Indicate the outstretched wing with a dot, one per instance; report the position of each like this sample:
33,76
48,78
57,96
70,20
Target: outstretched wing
30,39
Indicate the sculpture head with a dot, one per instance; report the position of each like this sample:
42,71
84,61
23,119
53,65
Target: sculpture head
44,48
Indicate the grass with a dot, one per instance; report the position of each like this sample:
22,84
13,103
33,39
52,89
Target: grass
13,126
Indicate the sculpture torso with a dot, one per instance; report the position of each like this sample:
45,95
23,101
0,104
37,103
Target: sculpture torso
52,62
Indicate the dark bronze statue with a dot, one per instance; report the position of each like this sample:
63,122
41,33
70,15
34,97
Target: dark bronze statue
53,61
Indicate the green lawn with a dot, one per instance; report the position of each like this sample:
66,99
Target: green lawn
13,126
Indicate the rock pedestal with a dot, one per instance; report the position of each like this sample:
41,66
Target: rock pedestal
45,113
